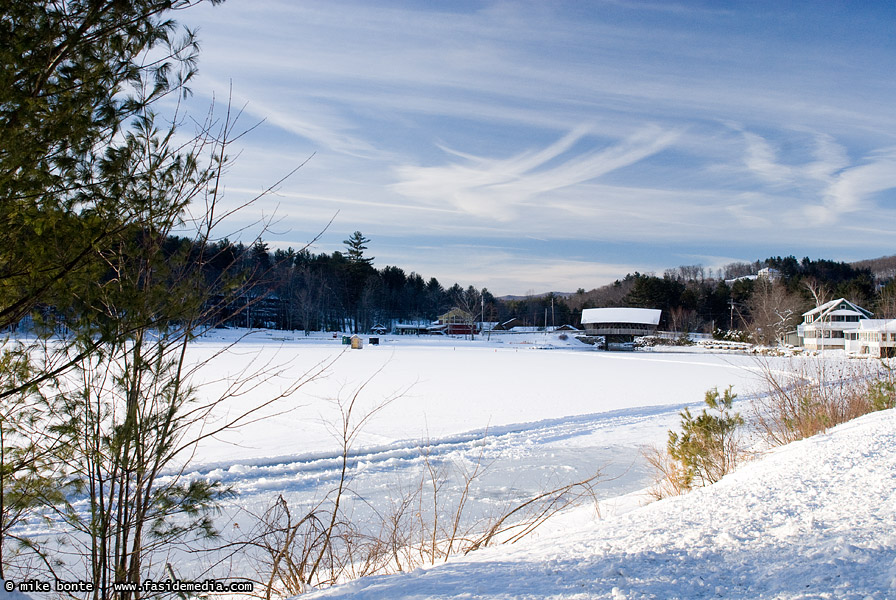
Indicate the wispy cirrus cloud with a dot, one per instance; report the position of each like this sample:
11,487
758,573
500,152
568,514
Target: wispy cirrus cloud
323,126
763,160
497,188
831,186
464,120
855,186
502,268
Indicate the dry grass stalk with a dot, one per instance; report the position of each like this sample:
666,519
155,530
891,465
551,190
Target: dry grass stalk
424,524
670,477
810,396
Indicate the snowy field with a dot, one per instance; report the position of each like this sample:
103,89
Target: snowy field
812,520
437,388
540,411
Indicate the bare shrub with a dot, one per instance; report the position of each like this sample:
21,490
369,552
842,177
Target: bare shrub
806,397
521,520
320,545
426,522
300,550
670,476
882,390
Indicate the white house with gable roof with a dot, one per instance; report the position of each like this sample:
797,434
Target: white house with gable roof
825,327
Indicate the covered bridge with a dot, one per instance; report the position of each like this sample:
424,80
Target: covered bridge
624,324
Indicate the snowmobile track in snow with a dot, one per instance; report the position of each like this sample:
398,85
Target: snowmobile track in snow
303,472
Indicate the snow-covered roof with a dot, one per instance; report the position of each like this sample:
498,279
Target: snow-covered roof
648,316
877,325
827,308
743,278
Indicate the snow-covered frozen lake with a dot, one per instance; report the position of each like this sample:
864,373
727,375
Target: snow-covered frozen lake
812,519
439,388
538,410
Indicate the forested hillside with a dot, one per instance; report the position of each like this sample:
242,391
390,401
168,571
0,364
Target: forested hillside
345,291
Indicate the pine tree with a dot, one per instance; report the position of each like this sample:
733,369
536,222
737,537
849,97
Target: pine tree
90,190
355,249
707,447
73,73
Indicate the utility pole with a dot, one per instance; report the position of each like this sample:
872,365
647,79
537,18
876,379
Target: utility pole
481,312
553,320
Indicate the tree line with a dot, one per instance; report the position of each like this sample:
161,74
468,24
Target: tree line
344,291
737,299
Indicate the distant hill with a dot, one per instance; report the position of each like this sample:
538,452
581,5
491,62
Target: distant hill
882,268
542,295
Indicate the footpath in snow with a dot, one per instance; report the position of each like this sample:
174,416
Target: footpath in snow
815,519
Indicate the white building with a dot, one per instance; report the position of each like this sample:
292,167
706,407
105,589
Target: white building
629,322
769,273
874,337
826,326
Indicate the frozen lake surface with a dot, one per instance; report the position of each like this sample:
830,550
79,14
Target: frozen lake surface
529,412
535,410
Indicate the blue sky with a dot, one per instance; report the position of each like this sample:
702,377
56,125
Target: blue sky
535,146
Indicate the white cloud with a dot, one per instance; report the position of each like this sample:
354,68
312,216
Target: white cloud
831,157
762,158
497,188
829,187
854,187
507,271
645,98
321,125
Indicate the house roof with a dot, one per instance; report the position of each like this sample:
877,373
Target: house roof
877,324
647,316
834,308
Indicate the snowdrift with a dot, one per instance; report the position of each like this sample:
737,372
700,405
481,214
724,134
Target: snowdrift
815,519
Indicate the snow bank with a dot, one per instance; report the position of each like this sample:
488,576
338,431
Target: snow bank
814,519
